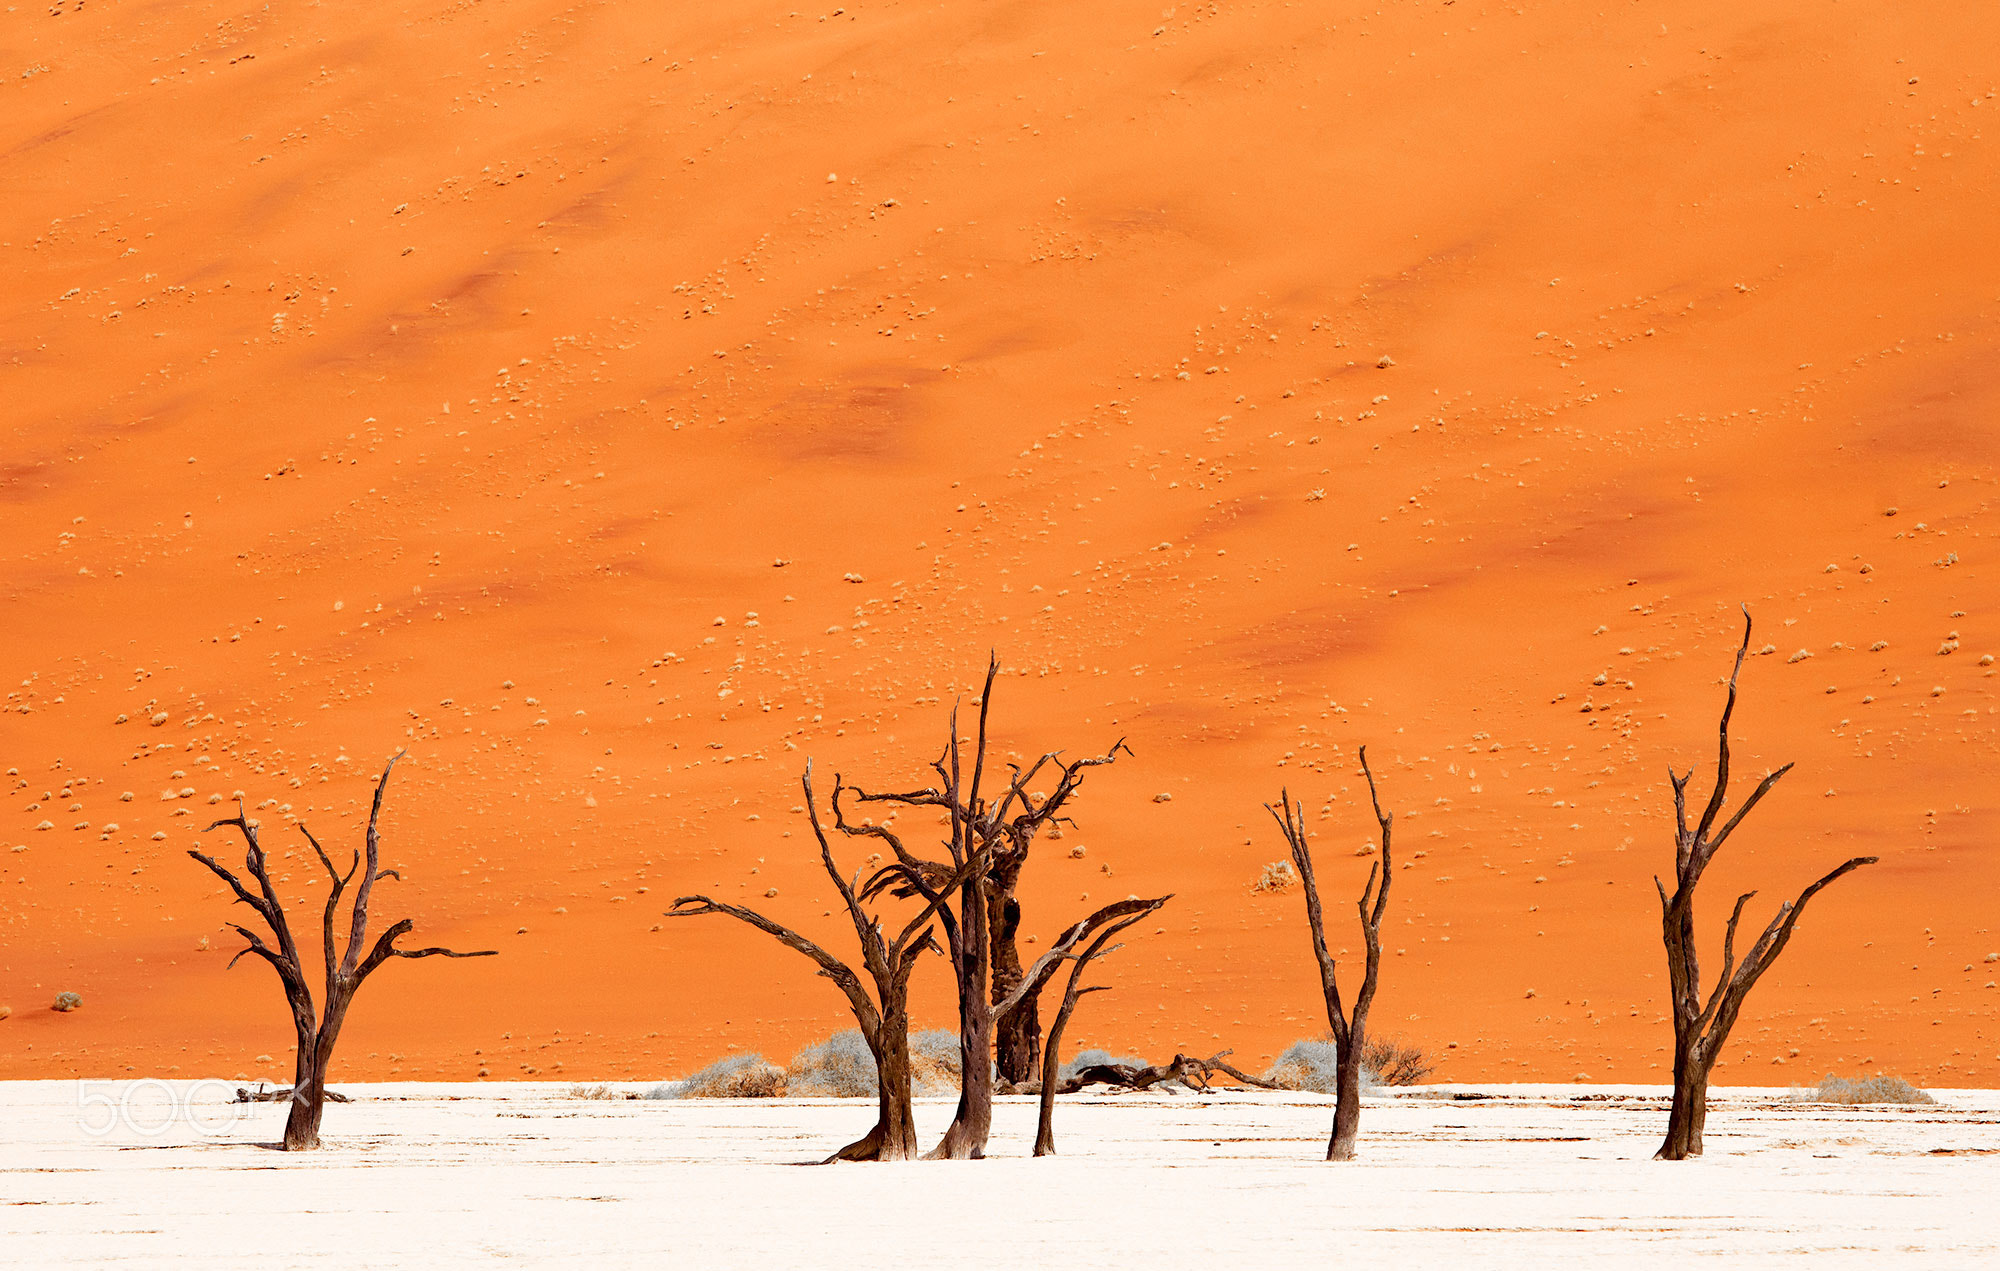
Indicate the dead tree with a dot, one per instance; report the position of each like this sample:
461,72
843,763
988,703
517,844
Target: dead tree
1701,1028
1001,833
1350,1033
318,1032
1017,822
1045,1132
884,1019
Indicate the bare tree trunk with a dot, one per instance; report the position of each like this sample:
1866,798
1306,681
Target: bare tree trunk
1045,1115
1346,1100
1700,1029
894,1137
965,1139
308,1102
1690,1109
995,996
899,1123
1018,1033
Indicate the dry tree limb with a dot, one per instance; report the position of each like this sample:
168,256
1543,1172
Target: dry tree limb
283,1094
1214,1064
1701,1028
1187,1070
1350,1031
316,1032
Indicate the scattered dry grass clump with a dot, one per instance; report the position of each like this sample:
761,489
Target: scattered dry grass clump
1876,1089
732,1077
1395,1063
841,1067
1277,876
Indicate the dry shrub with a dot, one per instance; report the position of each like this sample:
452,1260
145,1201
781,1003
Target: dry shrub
1277,876
1876,1089
1385,1061
594,1092
841,1067
1391,1062
1307,1064
934,1062
734,1077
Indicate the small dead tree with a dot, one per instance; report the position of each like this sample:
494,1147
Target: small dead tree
884,1019
318,1032
1045,1129
1350,1033
1701,1028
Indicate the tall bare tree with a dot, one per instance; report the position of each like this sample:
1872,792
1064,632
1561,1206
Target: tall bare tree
1045,1123
317,1033
884,1018
1701,1028
1000,832
1350,1033
1020,818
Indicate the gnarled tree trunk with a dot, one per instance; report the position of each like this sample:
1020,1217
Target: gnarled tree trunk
1701,1029
1017,1035
1346,1098
965,1138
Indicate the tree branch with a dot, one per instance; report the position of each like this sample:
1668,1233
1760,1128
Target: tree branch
358,929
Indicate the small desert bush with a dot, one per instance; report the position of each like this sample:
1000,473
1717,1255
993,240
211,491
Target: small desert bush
732,1077
1306,1065
1277,876
1391,1062
598,1092
1385,1061
841,1067
1876,1089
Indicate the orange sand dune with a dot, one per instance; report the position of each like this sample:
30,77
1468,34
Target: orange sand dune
619,404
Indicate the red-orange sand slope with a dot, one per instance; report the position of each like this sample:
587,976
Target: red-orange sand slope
617,404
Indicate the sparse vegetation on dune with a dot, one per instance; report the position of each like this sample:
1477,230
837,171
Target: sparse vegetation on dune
1277,876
